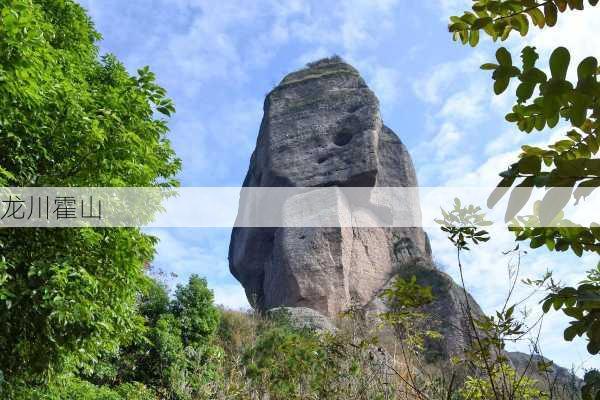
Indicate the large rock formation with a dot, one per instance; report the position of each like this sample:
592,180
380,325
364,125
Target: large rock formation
322,127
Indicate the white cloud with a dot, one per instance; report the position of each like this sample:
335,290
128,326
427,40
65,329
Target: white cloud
486,173
313,54
509,139
180,257
576,30
386,83
432,86
446,140
466,105
231,296
456,107
441,171
452,7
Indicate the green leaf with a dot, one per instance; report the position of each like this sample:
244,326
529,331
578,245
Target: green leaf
458,26
547,305
468,17
570,168
518,198
587,68
499,192
540,122
503,56
578,113
474,38
559,63
575,4
6,174
536,242
551,13
593,347
570,333
561,4
537,17
501,84
577,249
533,75
530,165
506,32
489,66
512,117
520,23
481,22
491,30
553,202
525,91
552,121
529,57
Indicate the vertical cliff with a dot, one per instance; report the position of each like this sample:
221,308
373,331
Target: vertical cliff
322,127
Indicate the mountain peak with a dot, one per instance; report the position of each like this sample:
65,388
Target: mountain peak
318,69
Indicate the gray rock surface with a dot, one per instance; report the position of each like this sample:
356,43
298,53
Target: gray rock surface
560,379
446,314
322,127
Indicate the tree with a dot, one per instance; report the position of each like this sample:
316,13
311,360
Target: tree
567,168
154,301
70,118
164,358
193,307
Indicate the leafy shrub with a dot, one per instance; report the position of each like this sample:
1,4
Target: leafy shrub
72,388
288,362
237,330
507,385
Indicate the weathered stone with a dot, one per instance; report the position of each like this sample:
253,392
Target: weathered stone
562,381
322,127
446,314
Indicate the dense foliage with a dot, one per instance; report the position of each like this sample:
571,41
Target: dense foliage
166,358
159,362
70,118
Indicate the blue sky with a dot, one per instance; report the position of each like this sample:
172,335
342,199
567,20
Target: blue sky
218,59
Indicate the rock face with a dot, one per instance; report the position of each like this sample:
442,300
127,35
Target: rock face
564,382
322,127
446,314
